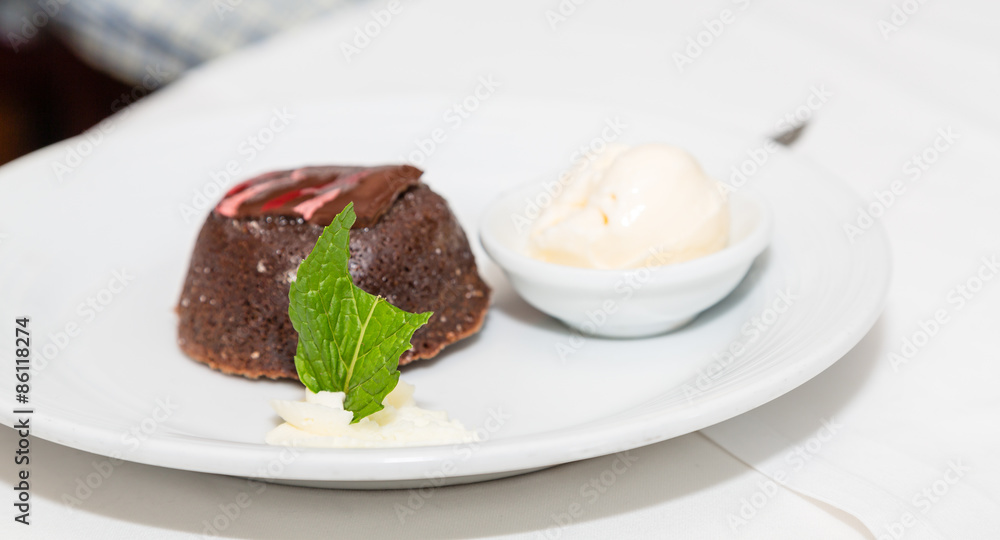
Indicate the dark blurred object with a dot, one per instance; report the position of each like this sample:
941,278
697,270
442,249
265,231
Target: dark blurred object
47,94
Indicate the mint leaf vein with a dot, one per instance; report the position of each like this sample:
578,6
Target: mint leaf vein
349,340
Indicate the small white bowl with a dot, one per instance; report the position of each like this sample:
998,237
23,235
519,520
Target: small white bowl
622,303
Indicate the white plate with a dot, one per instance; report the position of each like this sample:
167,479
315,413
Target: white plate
119,210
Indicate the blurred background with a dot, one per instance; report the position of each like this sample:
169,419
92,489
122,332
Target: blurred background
892,77
35,107
66,65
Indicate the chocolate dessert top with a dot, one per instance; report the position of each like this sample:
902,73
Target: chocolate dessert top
318,194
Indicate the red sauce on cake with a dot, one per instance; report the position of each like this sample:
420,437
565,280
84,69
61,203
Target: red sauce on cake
406,246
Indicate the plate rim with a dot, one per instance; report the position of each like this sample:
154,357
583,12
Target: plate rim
574,445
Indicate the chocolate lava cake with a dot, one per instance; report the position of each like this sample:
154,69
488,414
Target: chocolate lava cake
406,246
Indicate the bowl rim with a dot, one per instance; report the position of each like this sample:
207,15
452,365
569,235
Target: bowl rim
731,257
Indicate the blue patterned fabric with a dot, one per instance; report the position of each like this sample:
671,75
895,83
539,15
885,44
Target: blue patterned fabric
130,38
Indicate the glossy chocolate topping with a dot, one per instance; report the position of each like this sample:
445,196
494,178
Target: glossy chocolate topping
318,194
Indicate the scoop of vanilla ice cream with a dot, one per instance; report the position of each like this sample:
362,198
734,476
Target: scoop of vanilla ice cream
632,207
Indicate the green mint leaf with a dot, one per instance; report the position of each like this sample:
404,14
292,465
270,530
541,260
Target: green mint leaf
349,340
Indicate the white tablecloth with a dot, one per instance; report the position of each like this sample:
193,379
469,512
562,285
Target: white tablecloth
878,446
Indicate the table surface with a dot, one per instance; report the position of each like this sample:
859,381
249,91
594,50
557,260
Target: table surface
916,438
